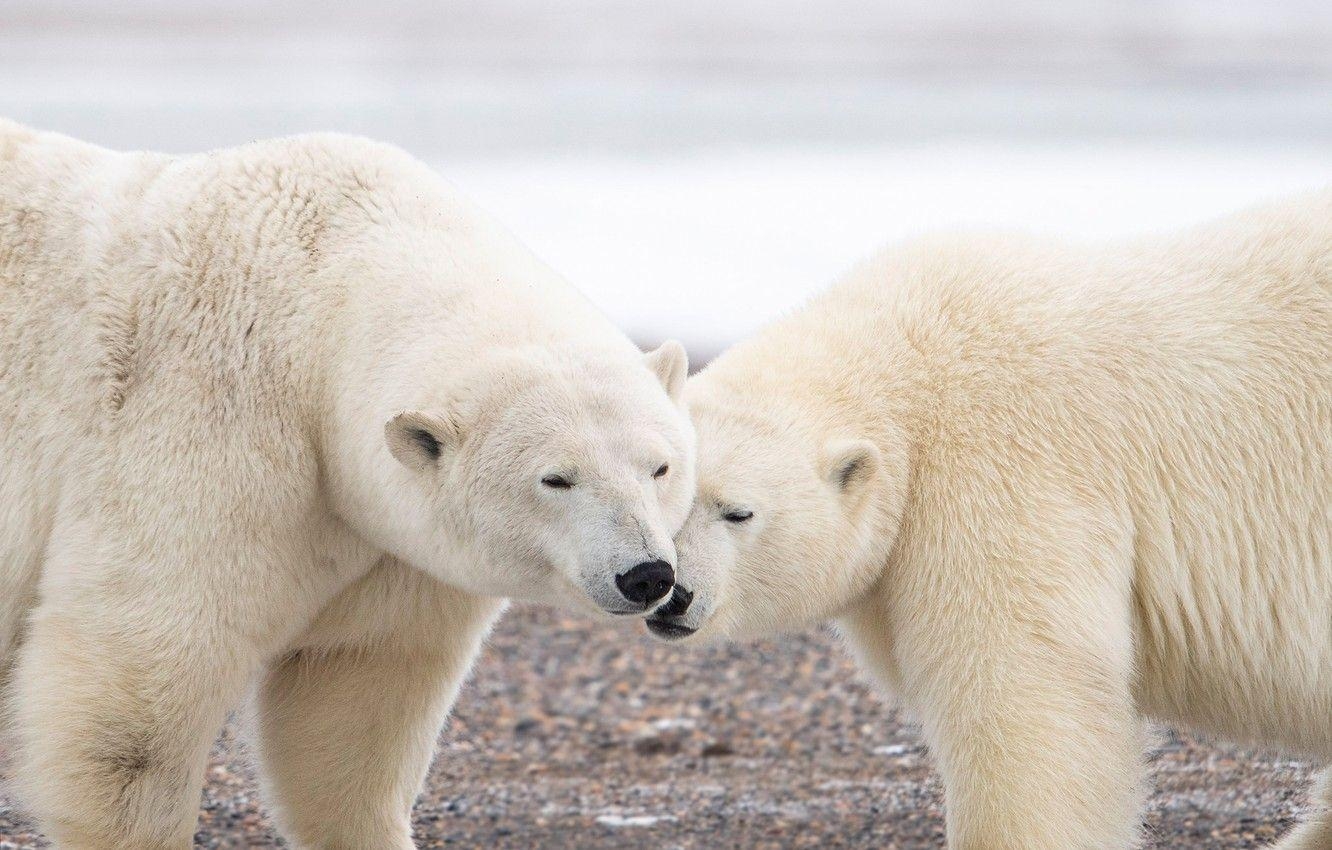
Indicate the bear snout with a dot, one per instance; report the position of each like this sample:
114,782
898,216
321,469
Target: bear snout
647,582
679,604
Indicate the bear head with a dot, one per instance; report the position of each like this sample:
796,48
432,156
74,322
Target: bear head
788,525
557,475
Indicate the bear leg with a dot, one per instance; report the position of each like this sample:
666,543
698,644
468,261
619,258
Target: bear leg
347,723
160,601
1021,676
113,729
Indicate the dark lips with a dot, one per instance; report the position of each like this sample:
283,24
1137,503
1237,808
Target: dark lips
668,630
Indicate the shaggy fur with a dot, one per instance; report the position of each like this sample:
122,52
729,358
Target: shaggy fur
1045,490
277,418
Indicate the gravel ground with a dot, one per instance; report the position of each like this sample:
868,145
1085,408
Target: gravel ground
575,734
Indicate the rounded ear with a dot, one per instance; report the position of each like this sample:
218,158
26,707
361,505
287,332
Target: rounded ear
419,439
850,466
670,364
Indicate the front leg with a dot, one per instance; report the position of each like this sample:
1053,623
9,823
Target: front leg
140,644
1038,755
113,730
347,722
1014,650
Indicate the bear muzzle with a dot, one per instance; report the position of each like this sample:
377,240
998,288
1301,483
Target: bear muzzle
646,583
664,621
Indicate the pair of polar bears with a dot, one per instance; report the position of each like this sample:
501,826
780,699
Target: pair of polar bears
284,422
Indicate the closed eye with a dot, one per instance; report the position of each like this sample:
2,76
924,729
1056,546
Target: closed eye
738,516
558,482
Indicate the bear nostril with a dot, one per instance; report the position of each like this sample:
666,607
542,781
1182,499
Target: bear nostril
647,582
680,601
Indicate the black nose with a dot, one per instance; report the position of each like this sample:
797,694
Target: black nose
647,582
679,603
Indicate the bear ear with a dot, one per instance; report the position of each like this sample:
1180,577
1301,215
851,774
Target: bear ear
670,364
418,439
851,465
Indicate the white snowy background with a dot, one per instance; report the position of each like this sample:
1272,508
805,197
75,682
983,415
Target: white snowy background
698,166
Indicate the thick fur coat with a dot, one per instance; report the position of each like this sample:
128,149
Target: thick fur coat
1046,490
287,419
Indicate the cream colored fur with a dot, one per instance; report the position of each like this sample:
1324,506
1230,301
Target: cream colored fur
277,419
1045,490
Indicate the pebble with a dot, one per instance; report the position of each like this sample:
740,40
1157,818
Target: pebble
574,733
620,821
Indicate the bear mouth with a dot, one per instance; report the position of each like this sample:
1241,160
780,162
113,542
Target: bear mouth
666,630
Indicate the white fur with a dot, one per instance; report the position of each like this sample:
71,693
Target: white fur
1097,487
205,368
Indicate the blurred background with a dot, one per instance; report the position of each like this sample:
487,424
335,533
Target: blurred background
697,167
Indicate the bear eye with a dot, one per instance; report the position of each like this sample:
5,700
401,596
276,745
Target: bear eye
738,516
558,482
662,470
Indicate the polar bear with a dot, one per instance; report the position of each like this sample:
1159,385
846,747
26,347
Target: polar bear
1044,491
287,420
